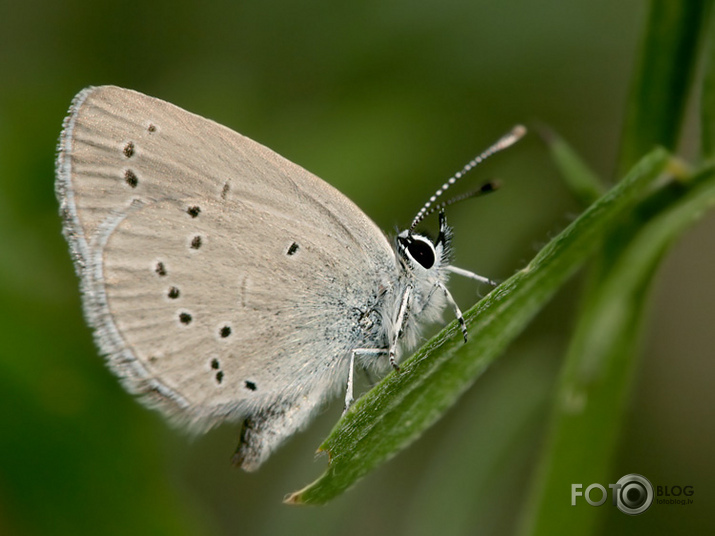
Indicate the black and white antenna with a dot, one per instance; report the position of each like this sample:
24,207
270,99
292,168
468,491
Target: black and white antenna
509,139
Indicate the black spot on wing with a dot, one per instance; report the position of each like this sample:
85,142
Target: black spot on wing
129,149
131,178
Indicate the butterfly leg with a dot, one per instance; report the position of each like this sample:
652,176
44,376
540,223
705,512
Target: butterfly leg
349,387
457,311
351,372
400,325
470,275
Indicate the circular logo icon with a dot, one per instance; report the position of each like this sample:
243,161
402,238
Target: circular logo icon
634,495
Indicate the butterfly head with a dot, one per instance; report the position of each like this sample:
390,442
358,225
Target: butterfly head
422,253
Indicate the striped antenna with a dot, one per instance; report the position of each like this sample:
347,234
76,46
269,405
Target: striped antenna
486,188
509,139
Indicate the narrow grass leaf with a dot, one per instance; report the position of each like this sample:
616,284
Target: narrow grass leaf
663,78
584,183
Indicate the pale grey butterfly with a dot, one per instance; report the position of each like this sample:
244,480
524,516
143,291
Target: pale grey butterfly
225,283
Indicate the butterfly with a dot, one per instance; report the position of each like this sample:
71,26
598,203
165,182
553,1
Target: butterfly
225,283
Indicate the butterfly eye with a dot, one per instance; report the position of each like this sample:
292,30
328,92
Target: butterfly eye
422,251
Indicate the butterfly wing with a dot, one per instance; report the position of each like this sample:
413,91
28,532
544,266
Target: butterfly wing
219,277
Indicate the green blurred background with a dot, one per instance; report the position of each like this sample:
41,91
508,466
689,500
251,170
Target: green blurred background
383,100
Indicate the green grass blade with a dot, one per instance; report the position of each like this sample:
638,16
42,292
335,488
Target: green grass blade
595,383
707,99
584,183
665,72
404,404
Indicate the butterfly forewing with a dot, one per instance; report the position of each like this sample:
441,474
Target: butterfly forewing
219,276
